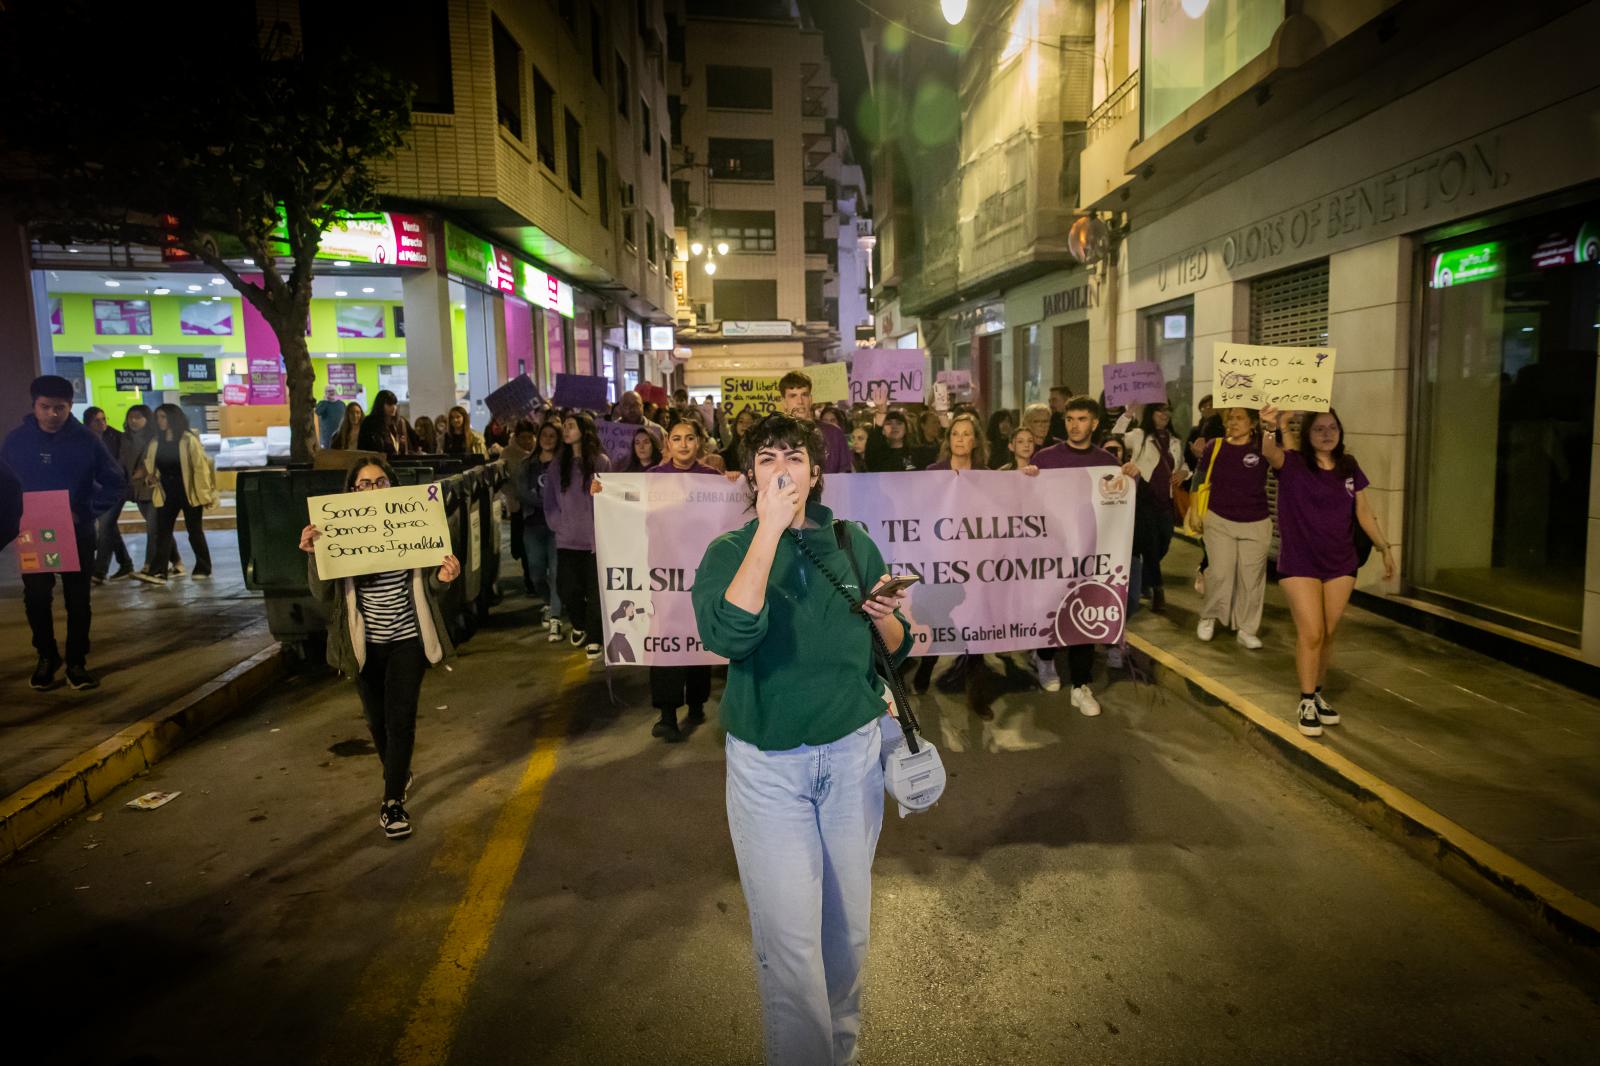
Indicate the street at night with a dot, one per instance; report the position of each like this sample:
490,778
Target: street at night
1128,588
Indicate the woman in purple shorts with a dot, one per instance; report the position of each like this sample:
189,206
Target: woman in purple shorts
1321,495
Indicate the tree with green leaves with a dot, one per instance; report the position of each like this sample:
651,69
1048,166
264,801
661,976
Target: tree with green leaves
197,129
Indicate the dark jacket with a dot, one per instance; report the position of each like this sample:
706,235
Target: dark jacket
347,640
10,505
73,459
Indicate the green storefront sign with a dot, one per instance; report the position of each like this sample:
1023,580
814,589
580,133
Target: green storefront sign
1466,265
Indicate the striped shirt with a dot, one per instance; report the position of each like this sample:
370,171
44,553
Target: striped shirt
385,604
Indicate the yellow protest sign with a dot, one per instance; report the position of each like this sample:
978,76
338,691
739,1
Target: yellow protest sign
1255,375
384,529
760,394
830,382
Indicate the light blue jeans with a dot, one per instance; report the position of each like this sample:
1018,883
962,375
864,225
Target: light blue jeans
805,825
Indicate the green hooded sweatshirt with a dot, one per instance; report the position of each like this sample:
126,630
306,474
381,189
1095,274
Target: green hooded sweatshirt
800,672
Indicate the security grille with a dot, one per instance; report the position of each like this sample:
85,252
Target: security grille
1289,308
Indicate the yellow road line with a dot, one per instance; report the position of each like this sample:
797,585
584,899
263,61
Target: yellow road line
431,1030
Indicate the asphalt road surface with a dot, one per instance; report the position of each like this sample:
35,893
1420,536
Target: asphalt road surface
1137,888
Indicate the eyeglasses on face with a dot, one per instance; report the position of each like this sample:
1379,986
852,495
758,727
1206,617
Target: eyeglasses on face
372,483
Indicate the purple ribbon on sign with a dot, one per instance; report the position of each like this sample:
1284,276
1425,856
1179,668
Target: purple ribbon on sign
433,492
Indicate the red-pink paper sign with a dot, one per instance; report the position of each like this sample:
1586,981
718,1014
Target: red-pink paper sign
46,543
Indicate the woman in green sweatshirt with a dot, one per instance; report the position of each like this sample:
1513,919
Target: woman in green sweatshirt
801,707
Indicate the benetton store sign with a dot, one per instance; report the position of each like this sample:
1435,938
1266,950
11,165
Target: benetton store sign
476,259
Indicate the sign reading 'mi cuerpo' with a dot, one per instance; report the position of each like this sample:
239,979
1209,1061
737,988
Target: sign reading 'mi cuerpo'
384,529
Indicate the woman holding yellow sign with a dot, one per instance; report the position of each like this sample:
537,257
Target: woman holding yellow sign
383,631
1322,498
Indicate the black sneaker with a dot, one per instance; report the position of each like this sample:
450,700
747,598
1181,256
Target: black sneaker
697,716
394,820
1325,712
80,678
97,579
667,729
1310,724
201,575
150,578
123,572
44,675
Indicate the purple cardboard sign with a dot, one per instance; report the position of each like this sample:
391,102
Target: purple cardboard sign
513,399
581,390
616,439
888,375
1140,382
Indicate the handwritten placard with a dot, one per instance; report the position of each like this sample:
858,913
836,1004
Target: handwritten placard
760,394
46,541
1255,375
616,439
889,375
957,386
1140,382
830,382
581,390
384,529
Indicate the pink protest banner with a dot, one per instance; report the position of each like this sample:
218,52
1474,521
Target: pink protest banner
1007,562
888,375
46,542
1140,382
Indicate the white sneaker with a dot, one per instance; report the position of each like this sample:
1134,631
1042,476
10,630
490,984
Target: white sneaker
1206,629
1310,723
1049,680
575,637
1249,640
591,652
1084,700
1114,656
555,634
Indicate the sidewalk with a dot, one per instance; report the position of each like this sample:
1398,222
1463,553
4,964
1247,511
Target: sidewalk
1503,753
149,646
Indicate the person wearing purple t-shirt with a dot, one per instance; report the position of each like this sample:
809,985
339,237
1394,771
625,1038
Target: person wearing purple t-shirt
1321,496
795,392
1082,417
1237,529
672,687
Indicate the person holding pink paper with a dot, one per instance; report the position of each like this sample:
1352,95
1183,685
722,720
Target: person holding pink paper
50,452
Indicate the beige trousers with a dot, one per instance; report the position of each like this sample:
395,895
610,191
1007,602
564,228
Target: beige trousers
1236,574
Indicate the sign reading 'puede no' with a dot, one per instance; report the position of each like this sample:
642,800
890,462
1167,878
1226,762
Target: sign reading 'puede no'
1255,375
385,529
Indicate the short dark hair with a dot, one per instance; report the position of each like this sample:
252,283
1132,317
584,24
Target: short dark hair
1084,403
51,387
1061,390
897,416
793,380
781,431
90,412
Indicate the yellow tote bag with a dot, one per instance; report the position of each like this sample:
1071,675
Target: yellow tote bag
1200,499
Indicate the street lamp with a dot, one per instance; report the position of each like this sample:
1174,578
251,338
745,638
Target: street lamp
711,266
954,10
695,247
722,247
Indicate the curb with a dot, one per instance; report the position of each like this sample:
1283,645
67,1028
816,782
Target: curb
1553,913
84,780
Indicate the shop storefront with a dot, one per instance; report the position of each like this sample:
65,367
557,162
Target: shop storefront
1457,280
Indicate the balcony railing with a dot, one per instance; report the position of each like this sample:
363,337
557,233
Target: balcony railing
1113,107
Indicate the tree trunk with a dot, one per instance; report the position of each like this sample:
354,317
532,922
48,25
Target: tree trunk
301,378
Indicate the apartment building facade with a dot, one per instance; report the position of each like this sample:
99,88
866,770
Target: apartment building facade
975,187
767,195
532,197
1418,190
